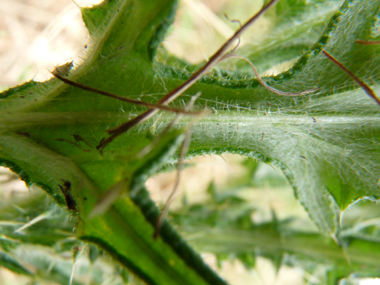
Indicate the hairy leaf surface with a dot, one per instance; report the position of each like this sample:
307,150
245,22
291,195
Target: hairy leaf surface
326,143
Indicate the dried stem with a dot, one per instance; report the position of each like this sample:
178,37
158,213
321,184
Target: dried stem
239,39
362,84
266,86
187,84
132,101
164,212
183,152
369,43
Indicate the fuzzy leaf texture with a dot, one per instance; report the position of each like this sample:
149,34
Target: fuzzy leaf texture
327,143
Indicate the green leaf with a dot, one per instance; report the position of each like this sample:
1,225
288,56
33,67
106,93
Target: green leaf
313,139
327,143
297,25
42,143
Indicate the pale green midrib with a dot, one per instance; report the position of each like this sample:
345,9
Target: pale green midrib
222,117
245,241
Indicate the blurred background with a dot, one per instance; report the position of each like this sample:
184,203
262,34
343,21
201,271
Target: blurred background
37,35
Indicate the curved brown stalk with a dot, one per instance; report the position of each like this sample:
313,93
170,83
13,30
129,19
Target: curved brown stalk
369,43
115,132
239,39
165,210
183,152
132,101
361,83
261,81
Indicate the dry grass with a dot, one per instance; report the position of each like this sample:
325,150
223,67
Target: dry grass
36,35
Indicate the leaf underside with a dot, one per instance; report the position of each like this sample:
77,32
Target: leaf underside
326,143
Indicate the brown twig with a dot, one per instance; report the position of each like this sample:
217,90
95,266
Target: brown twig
187,84
239,39
184,149
362,84
150,146
164,212
266,86
369,43
132,101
